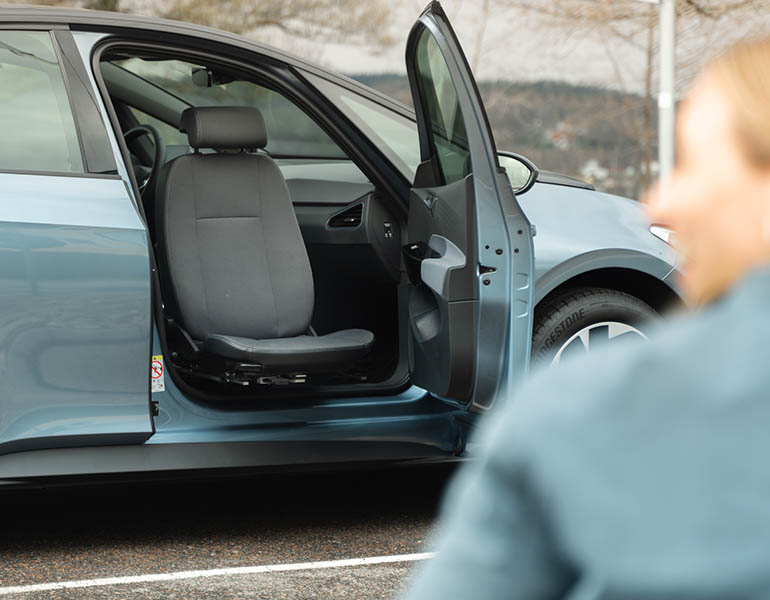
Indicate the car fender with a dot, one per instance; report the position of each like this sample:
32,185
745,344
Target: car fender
598,260
581,231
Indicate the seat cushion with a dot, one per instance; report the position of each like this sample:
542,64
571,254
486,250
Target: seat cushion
300,352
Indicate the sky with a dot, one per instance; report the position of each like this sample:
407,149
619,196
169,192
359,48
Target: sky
511,49
513,46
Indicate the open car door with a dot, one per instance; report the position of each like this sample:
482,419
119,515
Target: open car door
470,255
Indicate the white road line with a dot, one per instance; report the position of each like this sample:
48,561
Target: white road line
153,578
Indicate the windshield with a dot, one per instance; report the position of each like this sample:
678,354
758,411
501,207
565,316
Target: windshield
395,134
291,133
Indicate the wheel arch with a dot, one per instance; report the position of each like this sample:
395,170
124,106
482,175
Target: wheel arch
641,275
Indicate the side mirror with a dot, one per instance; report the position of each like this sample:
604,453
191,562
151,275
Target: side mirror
521,171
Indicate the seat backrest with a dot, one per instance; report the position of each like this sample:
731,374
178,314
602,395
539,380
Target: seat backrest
229,245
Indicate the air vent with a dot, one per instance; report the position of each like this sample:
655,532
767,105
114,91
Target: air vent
348,218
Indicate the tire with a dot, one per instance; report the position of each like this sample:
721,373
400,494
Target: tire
569,322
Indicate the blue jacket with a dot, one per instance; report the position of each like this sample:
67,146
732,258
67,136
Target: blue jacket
636,473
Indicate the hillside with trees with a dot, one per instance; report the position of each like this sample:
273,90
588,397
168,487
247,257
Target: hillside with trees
588,132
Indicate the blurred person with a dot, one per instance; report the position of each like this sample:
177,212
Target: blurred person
644,472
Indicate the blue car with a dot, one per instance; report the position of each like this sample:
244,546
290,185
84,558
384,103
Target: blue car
214,255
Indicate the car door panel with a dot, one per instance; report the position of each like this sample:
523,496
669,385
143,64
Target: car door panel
446,213
469,249
75,315
75,318
442,307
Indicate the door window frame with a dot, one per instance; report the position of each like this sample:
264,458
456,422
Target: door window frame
287,80
427,36
98,156
187,97
93,144
282,78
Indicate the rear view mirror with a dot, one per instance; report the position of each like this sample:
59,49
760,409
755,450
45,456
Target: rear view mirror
202,77
206,78
521,171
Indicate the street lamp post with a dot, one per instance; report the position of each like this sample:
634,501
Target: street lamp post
666,98
666,103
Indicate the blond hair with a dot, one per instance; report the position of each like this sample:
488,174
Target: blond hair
743,73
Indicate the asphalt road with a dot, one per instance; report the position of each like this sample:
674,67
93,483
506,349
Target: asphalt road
85,533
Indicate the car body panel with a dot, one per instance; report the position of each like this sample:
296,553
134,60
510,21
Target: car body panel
581,230
75,319
411,425
142,461
412,415
87,247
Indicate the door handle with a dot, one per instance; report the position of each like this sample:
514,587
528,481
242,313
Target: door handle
434,272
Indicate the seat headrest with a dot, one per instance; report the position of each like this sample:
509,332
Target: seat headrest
224,127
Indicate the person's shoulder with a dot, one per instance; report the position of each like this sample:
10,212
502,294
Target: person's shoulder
683,362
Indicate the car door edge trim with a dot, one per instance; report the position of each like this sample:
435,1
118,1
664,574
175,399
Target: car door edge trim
60,174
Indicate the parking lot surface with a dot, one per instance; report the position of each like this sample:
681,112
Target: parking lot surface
222,538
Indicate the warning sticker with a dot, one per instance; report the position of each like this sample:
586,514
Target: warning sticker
157,375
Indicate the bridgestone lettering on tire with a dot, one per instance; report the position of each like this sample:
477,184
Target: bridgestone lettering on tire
586,313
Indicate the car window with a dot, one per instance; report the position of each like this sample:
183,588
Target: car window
442,108
35,115
399,133
395,135
290,132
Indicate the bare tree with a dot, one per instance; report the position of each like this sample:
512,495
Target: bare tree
92,4
703,26
324,20
483,21
598,13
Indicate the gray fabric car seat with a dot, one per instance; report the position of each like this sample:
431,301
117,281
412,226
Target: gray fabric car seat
232,253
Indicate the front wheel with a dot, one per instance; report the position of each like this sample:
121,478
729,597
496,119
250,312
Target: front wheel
579,320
